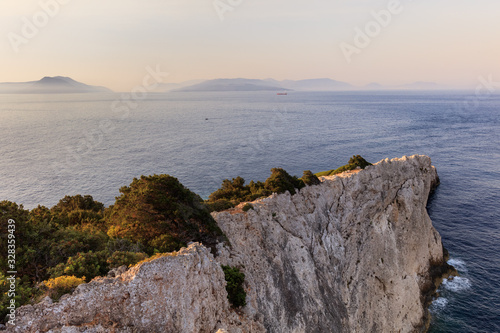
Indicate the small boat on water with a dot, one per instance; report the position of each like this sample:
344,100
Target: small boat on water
282,93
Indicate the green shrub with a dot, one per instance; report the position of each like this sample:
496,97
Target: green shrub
70,241
230,190
78,202
120,258
123,245
74,210
233,192
159,205
166,243
354,162
247,207
280,181
310,179
359,161
234,287
219,205
89,265
62,285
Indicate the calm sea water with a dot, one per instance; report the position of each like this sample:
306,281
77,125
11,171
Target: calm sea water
57,145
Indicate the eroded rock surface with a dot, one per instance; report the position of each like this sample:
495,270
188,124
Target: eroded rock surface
176,293
352,254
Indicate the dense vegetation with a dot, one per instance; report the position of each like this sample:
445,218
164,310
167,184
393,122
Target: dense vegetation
354,162
79,239
233,192
234,287
162,215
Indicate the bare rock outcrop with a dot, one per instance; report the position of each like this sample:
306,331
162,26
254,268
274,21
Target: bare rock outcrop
352,254
180,292
356,253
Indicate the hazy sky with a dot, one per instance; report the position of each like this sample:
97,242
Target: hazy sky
111,42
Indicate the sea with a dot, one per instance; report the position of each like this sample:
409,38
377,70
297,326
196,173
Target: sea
68,144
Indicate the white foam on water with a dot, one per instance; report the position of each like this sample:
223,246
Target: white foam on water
458,264
457,283
439,304
452,284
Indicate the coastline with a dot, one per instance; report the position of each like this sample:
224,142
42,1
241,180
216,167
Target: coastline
355,253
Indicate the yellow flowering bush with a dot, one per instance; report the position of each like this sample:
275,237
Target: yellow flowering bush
62,285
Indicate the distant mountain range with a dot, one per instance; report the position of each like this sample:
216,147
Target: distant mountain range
233,85
316,85
373,86
268,84
61,84
422,86
164,87
323,84
50,85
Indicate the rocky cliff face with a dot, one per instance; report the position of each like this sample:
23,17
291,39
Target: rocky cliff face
350,255
353,254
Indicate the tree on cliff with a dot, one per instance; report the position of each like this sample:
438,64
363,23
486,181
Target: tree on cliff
232,192
356,161
159,212
281,181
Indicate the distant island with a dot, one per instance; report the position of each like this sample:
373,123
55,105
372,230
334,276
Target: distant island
420,85
62,85
50,85
233,85
321,84
242,84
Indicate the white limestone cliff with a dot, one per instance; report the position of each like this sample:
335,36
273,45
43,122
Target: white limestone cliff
357,253
350,255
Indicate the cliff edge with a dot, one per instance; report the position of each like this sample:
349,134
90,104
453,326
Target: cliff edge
353,254
356,253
